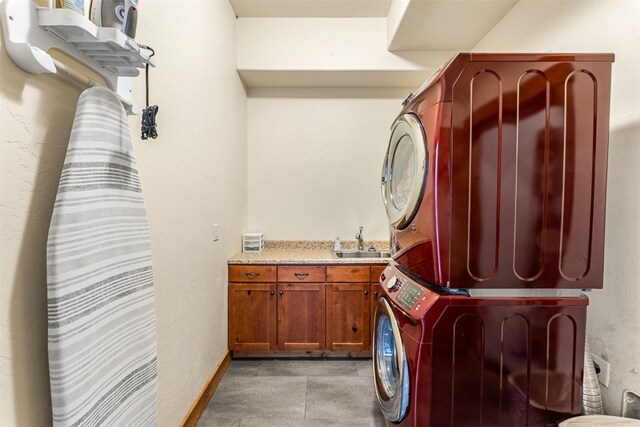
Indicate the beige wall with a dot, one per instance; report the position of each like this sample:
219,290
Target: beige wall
193,175
314,161
36,114
600,26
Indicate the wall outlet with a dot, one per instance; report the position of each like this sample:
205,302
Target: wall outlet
215,232
605,369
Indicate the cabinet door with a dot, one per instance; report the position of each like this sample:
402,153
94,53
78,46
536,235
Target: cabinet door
375,294
252,317
376,271
301,316
348,316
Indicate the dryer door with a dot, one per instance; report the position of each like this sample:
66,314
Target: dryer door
405,170
390,367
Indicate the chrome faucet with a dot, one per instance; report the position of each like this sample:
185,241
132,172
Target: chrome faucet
360,240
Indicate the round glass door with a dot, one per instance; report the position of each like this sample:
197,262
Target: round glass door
390,366
386,357
404,172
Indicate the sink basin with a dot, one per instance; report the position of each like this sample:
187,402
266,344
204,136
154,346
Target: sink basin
361,254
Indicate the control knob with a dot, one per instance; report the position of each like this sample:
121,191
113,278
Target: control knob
393,283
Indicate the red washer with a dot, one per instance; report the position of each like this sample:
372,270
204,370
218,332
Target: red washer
456,360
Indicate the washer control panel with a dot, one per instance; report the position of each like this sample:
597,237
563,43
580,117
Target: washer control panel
411,297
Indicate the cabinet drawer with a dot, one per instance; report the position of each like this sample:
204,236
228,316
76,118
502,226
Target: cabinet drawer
350,273
301,273
252,273
376,271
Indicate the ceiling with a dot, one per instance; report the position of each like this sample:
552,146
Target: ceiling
310,8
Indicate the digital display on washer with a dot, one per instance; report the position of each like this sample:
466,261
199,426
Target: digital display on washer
408,295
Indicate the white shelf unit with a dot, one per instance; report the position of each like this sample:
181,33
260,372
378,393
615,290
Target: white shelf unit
30,32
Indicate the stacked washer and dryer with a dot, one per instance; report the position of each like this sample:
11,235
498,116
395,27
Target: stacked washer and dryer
494,184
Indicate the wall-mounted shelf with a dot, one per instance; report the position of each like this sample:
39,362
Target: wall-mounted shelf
30,32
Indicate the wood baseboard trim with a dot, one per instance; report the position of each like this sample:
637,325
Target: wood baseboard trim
209,388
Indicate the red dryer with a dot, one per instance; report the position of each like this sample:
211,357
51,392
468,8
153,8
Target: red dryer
494,184
495,174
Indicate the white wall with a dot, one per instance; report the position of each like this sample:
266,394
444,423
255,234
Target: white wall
324,44
600,26
327,52
314,161
193,175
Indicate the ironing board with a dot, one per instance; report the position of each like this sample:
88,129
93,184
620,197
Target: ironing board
101,318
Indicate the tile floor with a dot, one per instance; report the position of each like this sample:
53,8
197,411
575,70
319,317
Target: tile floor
292,393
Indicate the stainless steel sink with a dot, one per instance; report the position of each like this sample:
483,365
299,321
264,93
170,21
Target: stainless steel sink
361,254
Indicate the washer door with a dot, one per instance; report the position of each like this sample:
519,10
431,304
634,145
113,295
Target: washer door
390,367
404,171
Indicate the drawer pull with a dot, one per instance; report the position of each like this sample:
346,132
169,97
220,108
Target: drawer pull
281,293
366,292
252,274
354,328
375,294
272,293
248,292
301,275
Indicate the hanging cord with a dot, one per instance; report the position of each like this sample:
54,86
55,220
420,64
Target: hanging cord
149,113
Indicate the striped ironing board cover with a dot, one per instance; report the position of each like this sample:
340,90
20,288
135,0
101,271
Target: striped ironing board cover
102,344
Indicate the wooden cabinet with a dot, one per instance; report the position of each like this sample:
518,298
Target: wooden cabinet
252,316
376,271
375,294
301,309
301,316
348,316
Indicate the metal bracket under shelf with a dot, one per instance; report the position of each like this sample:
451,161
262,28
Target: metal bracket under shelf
30,32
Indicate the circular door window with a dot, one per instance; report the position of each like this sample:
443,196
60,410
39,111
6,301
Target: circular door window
386,357
390,366
404,172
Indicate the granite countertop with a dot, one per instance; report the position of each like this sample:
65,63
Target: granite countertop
307,252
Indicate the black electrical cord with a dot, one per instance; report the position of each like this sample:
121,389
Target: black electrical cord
149,124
